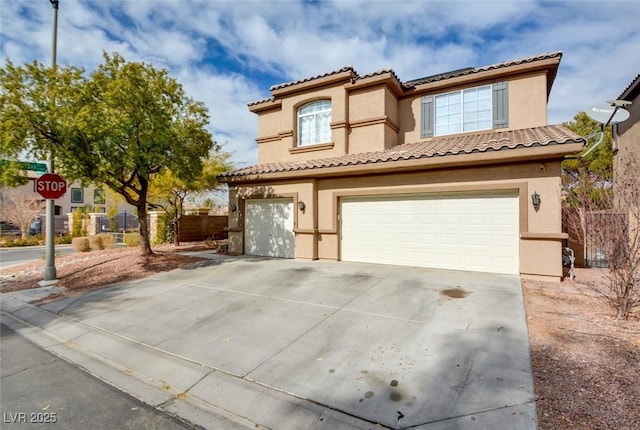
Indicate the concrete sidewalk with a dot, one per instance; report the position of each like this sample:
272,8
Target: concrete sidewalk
288,344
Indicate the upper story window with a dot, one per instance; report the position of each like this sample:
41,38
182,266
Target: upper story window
98,196
471,109
77,195
314,123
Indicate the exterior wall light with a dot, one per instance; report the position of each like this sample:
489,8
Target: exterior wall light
301,205
535,200
233,207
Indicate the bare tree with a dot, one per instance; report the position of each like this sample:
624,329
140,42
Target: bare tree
20,209
610,221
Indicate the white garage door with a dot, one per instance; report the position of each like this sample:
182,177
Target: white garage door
477,232
269,228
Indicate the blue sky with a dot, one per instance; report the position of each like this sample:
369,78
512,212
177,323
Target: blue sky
228,53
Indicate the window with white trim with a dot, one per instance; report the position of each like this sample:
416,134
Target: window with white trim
478,108
314,123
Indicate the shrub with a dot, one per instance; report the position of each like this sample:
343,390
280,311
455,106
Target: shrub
108,240
101,241
95,243
62,240
21,242
132,239
81,244
164,231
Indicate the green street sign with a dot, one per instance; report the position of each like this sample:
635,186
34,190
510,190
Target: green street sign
27,165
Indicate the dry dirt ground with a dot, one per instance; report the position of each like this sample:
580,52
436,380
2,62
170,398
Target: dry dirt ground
586,363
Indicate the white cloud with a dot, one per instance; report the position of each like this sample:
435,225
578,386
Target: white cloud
228,53
226,96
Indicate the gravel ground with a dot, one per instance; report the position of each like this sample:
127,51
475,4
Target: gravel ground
586,364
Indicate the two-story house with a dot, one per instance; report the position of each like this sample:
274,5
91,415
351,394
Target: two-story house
456,171
78,196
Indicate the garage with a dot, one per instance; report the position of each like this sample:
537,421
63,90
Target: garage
269,228
460,231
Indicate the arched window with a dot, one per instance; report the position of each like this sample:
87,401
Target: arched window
314,123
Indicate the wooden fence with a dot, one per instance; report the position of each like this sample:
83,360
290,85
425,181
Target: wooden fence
194,228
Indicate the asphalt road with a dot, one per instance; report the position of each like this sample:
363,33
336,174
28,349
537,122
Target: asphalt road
19,255
41,391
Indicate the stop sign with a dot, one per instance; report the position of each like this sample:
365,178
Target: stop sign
51,186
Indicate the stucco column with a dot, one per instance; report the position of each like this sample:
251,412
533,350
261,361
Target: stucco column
236,245
70,223
94,223
155,217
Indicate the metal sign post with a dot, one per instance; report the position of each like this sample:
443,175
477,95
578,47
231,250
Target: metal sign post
50,264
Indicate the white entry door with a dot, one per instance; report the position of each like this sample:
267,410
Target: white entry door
269,228
472,231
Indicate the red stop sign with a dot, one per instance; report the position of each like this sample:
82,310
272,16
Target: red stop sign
51,186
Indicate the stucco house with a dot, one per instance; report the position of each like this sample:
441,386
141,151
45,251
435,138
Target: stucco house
627,133
77,197
458,170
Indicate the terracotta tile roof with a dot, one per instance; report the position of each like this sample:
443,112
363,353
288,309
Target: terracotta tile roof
414,82
335,72
355,77
380,72
472,70
257,102
445,146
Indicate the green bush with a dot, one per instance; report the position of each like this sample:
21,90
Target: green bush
132,239
164,232
62,240
31,241
81,244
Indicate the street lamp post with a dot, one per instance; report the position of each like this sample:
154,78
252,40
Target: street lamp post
50,265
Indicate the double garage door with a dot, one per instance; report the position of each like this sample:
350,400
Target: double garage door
476,232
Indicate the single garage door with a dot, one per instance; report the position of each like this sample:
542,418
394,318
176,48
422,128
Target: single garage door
269,228
476,232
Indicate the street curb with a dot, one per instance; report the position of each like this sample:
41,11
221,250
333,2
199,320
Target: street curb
192,392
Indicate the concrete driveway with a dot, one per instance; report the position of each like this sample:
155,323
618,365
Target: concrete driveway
296,344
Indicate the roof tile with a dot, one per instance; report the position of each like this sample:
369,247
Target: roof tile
414,82
324,75
472,70
443,146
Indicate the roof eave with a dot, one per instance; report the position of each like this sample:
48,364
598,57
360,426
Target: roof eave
632,91
388,78
537,153
343,76
264,105
550,65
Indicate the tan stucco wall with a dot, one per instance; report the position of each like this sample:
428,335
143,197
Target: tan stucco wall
527,106
528,101
375,118
628,140
317,228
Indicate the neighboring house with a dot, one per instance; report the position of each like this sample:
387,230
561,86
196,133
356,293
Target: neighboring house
76,197
434,172
627,133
